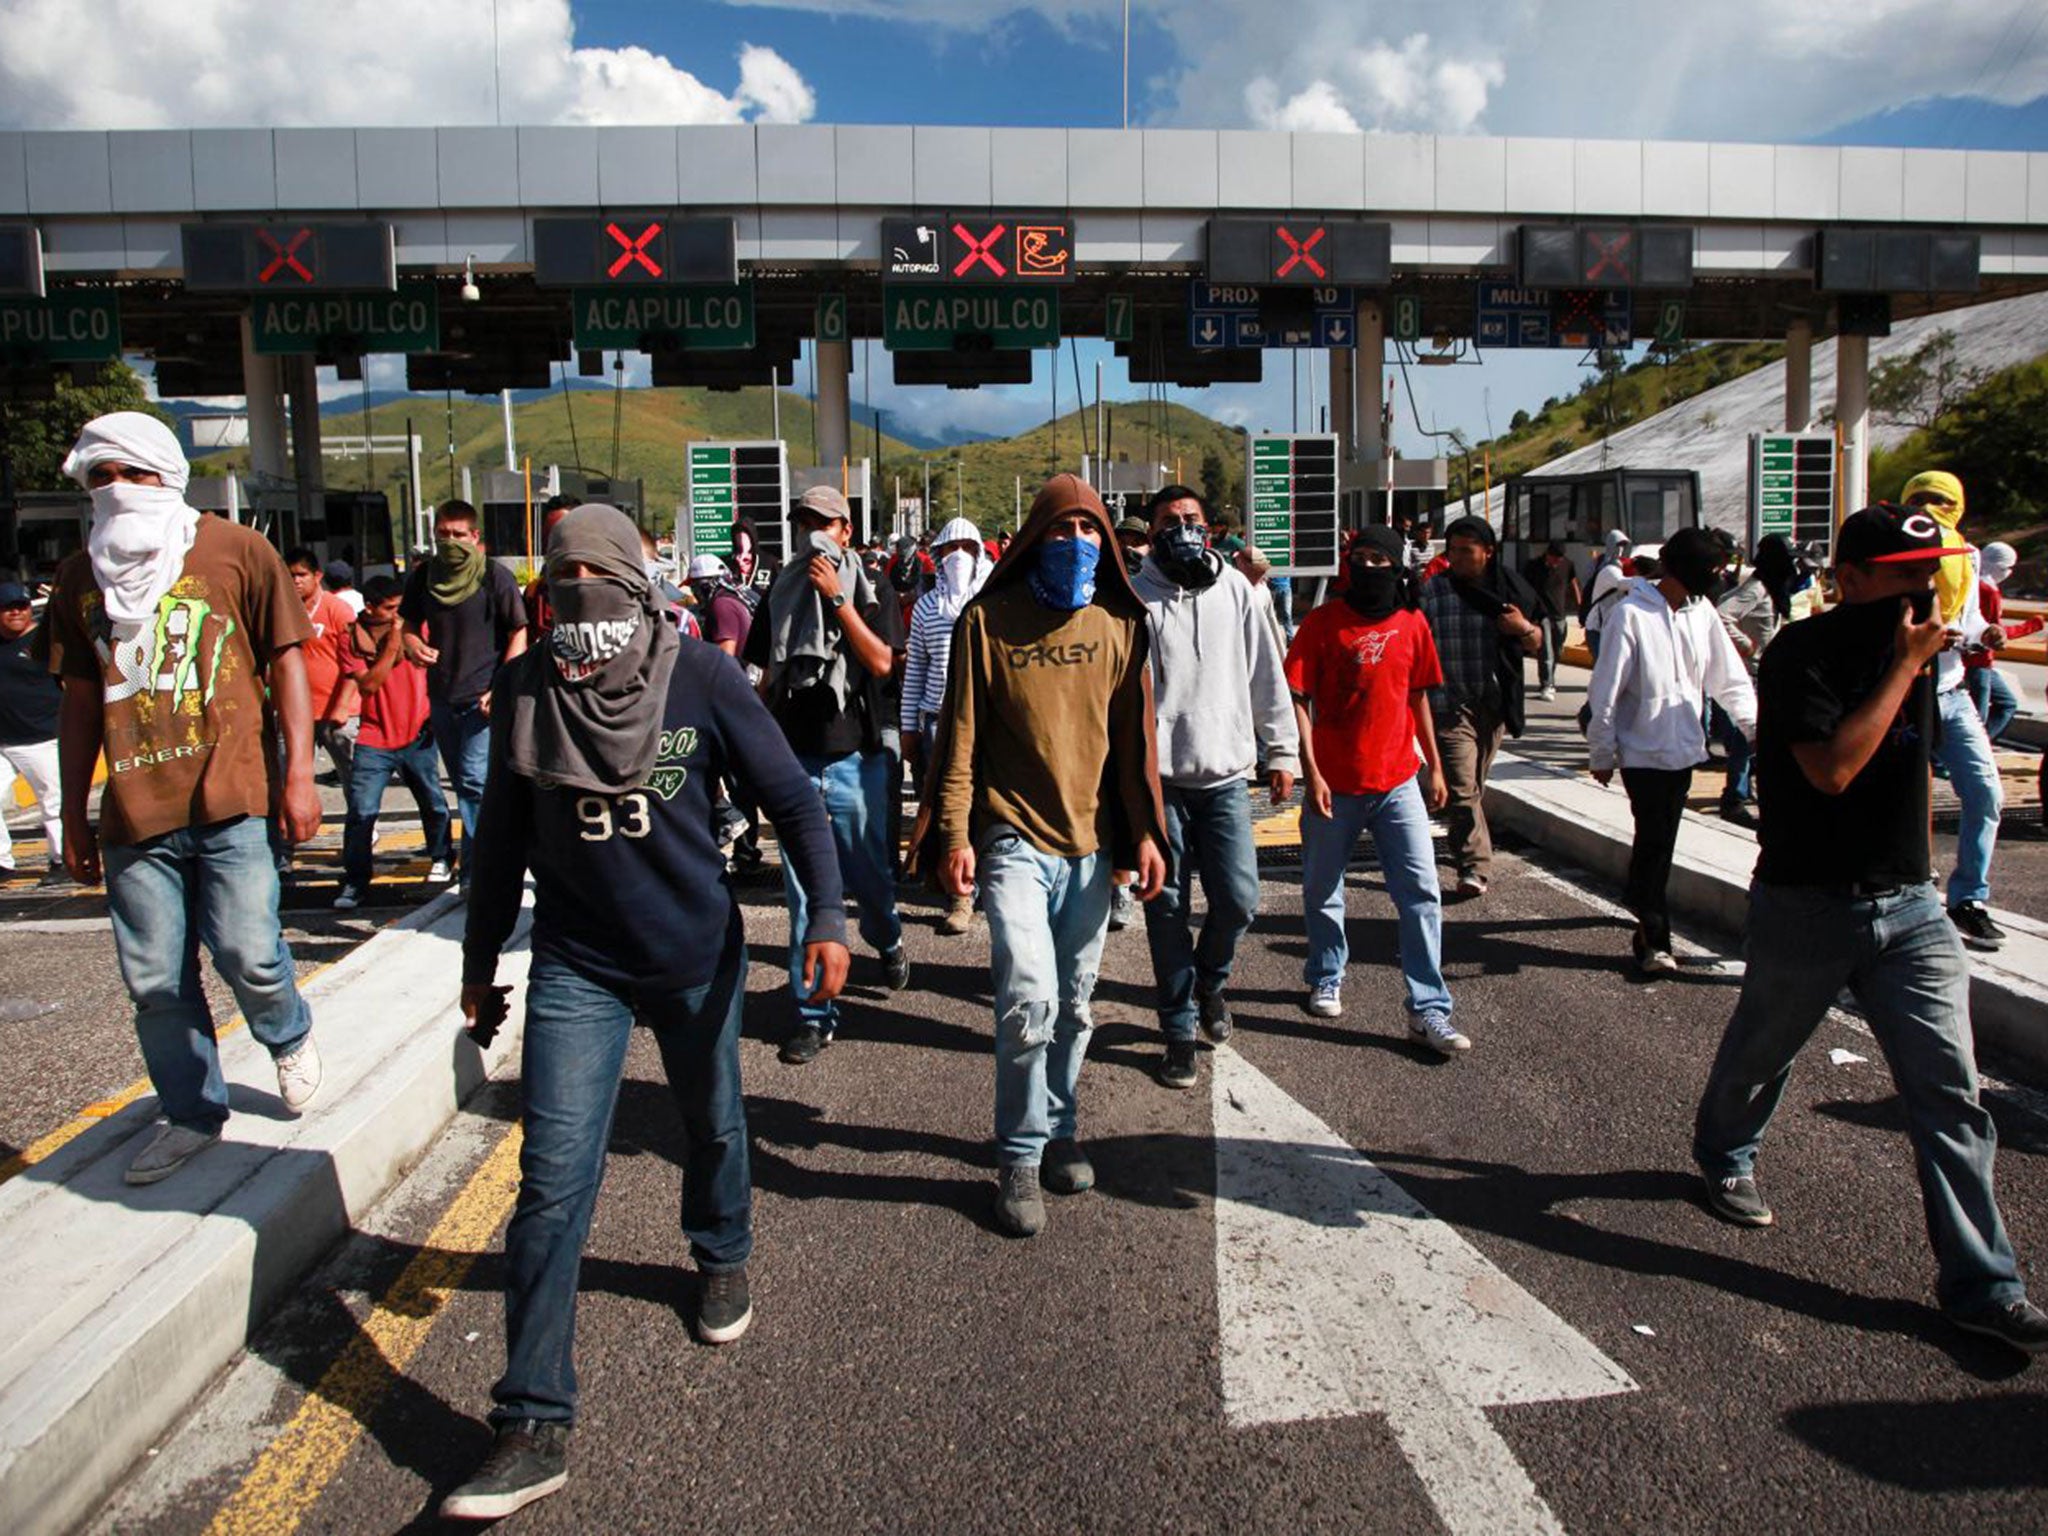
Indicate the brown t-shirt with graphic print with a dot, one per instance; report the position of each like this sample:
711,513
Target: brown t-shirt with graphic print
185,703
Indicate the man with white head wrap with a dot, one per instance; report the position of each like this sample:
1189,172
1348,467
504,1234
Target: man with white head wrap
176,638
1991,691
962,564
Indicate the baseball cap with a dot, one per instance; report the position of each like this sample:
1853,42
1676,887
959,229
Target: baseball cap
1135,525
705,568
339,570
823,501
13,594
1888,534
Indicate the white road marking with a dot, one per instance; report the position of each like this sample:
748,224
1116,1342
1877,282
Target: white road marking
1338,1294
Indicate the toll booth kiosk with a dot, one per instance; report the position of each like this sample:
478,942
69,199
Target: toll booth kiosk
355,526
48,526
502,504
1421,490
1648,505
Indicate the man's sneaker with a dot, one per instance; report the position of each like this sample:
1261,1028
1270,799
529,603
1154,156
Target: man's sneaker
1066,1169
1735,1199
529,1461
1123,907
1020,1209
1471,885
1973,921
167,1151
1656,962
1548,694
1434,1030
803,1046
438,872
2018,1322
1326,999
1737,813
1178,1070
55,876
959,916
726,1308
298,1076
1216,1021
348,898
895,969
728,825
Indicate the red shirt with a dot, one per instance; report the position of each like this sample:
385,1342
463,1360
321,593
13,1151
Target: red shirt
1360,676
1992,602
395,714
331,619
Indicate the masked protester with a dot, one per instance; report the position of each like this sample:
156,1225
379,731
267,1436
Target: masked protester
605,744
1666,648
1843,898
174,636
1754,610
464,618
962,569
1963,747
1991,691
1045,785
1222,705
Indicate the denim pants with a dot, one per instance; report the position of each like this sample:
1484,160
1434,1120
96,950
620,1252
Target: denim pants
462,733
570,1063
1207,831
1965,751
1047,918
1996,702
1399,822
1900,956
1741,786
855,789
1553,647
369,773
216,884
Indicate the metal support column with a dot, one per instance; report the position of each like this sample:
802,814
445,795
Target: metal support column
1370,383
302,383
1798,375
1852,416
834,405
262,400
1342,420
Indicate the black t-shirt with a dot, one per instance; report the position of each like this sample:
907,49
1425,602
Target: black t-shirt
471,636
816,725
1553,584
28,694
1812,678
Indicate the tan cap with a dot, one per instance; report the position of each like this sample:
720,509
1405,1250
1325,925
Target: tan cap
823,501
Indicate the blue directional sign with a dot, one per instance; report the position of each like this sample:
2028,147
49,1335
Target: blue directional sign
1537,317
1227,315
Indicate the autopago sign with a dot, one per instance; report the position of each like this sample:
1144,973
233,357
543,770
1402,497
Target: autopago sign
932,318
69,328
408,320
710,317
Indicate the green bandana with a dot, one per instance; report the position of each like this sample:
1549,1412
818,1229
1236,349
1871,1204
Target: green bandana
456,572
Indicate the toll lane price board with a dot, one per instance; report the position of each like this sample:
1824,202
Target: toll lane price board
729,481
1292,484
920,317
347,325
709,317
1792,486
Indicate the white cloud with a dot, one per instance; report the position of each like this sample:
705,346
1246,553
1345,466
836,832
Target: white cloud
204,63
1315,108
1382,86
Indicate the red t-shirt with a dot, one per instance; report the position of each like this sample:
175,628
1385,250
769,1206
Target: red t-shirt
331,618
1360,676
395,714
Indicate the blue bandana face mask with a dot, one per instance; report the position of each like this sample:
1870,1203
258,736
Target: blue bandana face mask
1064,577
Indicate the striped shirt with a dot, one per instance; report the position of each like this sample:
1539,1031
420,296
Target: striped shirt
924,664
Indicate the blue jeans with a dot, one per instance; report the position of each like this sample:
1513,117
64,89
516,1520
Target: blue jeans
1741,788
1965,751
1993,696
462,733
1900,956
1210,831
571,1061
369,773
1047,918
217,884
1399,822
855,789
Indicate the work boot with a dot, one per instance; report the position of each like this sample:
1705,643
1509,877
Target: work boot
1123,907
1066,1169
1020,1209
959,916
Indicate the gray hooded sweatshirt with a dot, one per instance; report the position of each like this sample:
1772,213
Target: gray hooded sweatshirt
1217,681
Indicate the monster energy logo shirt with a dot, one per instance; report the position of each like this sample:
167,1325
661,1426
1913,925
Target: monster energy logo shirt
185,701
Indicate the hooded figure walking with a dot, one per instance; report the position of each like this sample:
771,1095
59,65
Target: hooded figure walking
1047,786
606,745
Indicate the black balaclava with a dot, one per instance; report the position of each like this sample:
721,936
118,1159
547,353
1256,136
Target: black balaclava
1376,592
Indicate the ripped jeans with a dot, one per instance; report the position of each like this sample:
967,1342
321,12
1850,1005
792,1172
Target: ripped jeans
1047,917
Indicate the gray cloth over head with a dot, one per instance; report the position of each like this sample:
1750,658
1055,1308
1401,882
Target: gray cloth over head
587,706
806,652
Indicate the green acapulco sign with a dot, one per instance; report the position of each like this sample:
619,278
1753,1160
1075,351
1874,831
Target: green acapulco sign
405,320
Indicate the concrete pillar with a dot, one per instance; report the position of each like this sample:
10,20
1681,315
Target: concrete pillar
1371,380
835,418
1798,375
302,383
1342,421
262,390
1852,415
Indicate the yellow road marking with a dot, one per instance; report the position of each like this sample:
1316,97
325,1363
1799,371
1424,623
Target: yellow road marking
291,1475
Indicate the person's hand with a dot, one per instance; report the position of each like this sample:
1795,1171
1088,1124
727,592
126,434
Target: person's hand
484,1008
1919,644
825,970
483,702
299,812
1603,776
1512,622
1436,794
1281,783
1151,871
956,873
1317,795
824,578
1993,638
419,651
81,848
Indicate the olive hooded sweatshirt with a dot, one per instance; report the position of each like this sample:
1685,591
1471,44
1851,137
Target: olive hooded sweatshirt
1048,724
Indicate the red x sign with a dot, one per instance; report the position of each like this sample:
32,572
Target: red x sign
285,255
1612,256
1300,252
982,250
634,250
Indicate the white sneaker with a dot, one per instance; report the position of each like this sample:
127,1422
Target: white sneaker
298,1076
1659,962
1434,1030
1549,695
1326,1000
348,899
1471,886
167,1151
438,872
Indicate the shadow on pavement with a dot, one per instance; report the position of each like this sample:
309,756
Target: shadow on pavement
1939,1447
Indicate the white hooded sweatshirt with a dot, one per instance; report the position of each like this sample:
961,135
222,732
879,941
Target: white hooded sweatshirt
1658,665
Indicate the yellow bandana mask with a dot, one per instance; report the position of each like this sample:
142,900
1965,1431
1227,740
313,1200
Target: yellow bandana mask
1952,584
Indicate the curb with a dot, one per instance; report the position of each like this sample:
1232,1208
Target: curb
120,1305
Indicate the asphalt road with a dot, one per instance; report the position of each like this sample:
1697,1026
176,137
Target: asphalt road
911,1370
